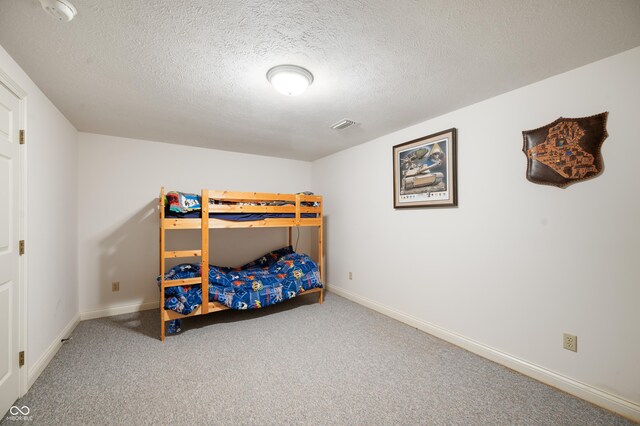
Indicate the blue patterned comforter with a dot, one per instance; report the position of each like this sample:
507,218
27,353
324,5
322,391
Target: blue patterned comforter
279,275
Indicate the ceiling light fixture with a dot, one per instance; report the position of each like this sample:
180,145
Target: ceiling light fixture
290,80
62,10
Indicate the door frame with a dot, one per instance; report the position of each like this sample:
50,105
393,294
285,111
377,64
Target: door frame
13,87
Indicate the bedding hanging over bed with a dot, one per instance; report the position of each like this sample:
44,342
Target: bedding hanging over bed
279,275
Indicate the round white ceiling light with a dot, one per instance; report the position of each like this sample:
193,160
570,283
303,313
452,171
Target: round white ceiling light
62,10
290,80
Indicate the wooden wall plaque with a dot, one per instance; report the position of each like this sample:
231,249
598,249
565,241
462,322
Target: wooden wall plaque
565,151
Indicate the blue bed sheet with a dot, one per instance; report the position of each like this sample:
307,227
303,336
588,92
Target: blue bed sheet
272,278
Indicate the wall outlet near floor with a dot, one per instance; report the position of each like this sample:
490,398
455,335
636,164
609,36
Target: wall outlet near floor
570,342
115,286
350,275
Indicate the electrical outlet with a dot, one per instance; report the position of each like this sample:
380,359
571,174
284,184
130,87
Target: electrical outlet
570,342
115,286
350,275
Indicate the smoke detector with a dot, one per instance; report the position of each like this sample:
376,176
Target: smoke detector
343,124
62,10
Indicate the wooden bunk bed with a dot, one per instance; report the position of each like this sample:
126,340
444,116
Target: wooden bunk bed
298,209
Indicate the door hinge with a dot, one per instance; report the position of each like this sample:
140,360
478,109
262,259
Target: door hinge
21,247
21,137
21,358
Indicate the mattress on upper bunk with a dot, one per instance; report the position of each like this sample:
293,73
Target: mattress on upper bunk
279,275
181,205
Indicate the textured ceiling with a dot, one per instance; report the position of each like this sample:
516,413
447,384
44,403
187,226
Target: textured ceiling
193,71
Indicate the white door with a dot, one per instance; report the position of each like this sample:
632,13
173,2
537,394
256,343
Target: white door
10,120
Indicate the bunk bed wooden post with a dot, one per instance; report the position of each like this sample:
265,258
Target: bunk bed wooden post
298,211
162,246
320,257
204,269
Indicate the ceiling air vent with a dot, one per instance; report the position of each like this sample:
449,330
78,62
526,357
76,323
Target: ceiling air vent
343,124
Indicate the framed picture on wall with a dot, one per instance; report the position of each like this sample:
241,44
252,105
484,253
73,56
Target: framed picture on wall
424,171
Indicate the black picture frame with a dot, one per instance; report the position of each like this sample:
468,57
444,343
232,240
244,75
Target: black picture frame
425,171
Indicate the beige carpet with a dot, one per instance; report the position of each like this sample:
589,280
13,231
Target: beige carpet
297,363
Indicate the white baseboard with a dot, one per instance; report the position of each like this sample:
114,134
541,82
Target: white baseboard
589,393
117,310
38,367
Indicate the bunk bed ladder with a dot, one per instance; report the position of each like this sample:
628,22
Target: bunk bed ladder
203,253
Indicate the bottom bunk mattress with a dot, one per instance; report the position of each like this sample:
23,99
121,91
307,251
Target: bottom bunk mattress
279,275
